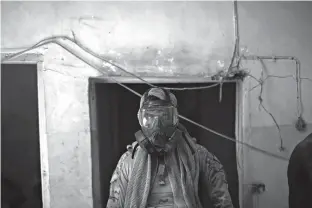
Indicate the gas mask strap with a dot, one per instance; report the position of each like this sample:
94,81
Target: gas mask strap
144,142
188,143
185,136
134,150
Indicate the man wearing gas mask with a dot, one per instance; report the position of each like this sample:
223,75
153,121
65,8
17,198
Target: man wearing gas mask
165,167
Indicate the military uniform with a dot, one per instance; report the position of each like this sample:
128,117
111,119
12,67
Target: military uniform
212,177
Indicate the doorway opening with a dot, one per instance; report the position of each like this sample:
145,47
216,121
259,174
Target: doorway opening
20,148
113,115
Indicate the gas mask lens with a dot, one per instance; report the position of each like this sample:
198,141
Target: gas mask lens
157,117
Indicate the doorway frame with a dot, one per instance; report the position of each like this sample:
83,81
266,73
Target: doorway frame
96,187
37,59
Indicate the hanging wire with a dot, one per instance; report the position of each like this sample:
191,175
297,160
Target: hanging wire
298,84
184,118
305,78
267,77
236,29
300,124
74,40
220,92
53,39
214,132
281,148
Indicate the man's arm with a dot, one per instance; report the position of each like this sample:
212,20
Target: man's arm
309,168
215,180
119,182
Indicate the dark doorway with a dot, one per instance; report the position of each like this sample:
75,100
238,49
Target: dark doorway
20,154
114,122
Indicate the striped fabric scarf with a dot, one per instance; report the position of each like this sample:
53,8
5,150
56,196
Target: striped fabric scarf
183,173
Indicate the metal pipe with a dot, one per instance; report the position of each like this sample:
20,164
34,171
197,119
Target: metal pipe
236,29
255,57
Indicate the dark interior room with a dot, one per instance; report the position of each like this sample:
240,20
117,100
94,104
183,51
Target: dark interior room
20,153
115,122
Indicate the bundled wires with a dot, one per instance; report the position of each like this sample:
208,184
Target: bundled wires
300,124
231,73
56,40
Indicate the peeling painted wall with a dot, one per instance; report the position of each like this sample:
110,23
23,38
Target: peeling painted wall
193,38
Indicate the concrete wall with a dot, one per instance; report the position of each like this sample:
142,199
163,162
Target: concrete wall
194,38
275,28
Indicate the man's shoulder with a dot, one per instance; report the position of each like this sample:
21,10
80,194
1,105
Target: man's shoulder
302,146
207,158
203,151
126,158
123,165
302,151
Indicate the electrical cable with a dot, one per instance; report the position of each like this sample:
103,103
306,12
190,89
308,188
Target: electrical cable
281,148
87,50
300,124
182,117
236,28
297,76
214,132
53,39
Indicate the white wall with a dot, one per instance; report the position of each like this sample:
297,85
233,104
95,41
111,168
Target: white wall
275,28
164,38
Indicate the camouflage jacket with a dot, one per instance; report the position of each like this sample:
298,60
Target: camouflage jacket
212,179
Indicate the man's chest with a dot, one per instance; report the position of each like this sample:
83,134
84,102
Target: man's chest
161,194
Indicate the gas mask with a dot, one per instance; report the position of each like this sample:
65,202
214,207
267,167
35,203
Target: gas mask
158,119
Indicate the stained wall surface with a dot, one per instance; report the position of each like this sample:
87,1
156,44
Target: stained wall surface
166,38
